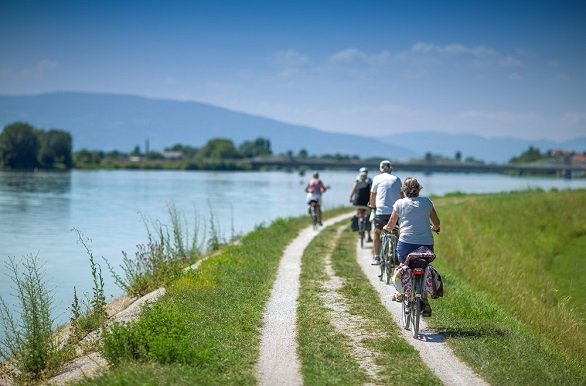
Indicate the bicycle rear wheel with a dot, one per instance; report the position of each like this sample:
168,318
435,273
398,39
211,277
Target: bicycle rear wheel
415,317
406,314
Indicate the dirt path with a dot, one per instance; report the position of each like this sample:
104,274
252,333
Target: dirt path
431,345
278,361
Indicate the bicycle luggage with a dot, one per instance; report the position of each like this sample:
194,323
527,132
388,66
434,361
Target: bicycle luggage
354,223
434,285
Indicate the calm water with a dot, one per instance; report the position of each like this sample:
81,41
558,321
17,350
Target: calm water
38,211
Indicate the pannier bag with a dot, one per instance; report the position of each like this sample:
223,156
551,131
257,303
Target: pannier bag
354,223
434,285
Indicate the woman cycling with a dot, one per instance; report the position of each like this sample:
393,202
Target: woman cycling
413,213
315,187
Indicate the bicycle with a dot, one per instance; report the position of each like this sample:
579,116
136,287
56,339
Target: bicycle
313,213
388,254
413,299
363,212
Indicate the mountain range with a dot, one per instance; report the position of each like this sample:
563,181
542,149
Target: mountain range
121,122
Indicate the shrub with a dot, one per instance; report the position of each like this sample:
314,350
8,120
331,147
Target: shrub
29,341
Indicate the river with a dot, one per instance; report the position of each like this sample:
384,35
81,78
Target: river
39,210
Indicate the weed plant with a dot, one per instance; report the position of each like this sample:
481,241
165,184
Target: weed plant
28,340
162,259
93,316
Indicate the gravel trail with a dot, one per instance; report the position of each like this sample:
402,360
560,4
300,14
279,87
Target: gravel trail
278,361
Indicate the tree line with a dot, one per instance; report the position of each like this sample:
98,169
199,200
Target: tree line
24,147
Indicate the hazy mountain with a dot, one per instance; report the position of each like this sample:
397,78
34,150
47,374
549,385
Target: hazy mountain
121,122
499,150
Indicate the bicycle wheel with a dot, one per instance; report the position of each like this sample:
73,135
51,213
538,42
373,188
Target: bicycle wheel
313,214
417,309
383,251
406,314
361,232
416,316
384,256
389,265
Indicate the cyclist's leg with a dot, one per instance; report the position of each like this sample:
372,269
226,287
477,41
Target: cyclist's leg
379,222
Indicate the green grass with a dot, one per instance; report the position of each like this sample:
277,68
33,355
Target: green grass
514,274
324,351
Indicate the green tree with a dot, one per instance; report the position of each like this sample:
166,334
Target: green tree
532,154
19,146
219,148
55,149
258,147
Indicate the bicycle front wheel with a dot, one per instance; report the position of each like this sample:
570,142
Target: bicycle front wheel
382,259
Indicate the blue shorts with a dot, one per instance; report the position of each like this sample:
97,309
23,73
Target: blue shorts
404,249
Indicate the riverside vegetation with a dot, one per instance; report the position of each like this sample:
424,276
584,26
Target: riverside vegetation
513,308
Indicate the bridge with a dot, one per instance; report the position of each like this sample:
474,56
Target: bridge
561,169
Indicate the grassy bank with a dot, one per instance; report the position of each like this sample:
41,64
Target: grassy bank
515,290
206,330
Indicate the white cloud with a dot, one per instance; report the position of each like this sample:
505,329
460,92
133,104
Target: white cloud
288,58
39,70
482,55
352,55
573,118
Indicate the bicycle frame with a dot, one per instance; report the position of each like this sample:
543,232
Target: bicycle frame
388,256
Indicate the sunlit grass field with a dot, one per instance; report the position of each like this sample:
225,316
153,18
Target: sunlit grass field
515,277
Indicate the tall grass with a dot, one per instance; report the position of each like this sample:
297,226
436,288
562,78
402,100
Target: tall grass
162,258
28,339
524,252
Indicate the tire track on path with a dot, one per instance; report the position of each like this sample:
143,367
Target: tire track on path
432,347
278,359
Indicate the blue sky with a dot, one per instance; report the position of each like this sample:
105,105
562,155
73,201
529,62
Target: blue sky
494,68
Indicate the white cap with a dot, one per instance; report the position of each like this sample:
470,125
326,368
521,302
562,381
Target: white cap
385,166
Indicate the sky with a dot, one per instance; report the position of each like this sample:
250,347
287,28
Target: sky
373,68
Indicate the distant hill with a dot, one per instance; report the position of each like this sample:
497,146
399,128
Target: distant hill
121,122
498,150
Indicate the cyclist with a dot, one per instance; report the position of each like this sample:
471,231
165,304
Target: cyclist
414,214
385,190
360,195
315,188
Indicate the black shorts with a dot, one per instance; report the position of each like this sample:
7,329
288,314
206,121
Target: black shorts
380,220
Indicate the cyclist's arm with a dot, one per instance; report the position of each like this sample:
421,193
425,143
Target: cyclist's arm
372,202
353,191
392,221
434,220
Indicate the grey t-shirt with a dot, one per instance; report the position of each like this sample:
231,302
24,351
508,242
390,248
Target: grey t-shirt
414,220
388,189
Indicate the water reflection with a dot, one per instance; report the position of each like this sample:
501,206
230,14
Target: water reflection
39,182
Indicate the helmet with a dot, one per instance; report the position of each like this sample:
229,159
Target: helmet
385,166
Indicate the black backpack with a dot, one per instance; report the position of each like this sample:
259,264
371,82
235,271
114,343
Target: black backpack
362,194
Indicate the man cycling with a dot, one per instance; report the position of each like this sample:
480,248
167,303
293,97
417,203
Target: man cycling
315,187
360,196
385,190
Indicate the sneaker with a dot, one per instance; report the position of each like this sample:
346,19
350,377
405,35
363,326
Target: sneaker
320,224
375,260
398,297
369,240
